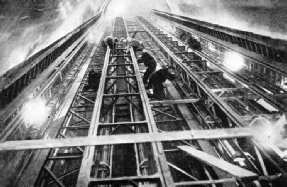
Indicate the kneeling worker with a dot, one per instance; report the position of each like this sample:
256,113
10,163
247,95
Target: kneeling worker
157,79
93,80
111,42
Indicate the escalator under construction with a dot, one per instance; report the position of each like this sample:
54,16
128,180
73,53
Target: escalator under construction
200,134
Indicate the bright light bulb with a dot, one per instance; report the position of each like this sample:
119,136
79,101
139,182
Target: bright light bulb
211,47
233,61
35,112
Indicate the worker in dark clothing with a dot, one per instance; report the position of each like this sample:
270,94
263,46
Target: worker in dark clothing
157,79
150,63
111,42
93,80
194,44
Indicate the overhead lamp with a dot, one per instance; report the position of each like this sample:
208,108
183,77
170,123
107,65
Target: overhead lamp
35,112
233,61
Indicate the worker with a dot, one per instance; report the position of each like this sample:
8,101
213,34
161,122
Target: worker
149,62
111,42
183,37
133,43
157,79
93,80
193,44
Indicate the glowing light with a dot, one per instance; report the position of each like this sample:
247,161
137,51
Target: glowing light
233,61
265,134
211,46
35,112
269,133
118,8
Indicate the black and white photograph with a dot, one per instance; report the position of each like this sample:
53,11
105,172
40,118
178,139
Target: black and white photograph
143,93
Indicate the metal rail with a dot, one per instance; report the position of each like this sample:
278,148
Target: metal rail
242,77
274,49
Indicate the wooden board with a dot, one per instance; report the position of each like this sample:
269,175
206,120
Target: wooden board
234,170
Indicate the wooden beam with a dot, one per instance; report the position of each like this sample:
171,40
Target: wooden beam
123,123
205,182
234,170
122,95
208,72
179,101
226,89
190,61
138,31
127,138
120,77
124,179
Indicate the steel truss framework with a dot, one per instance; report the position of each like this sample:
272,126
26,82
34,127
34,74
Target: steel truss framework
50,83
274,49
49,75
214,99
62,164
120,111
121,108
57,87
259,74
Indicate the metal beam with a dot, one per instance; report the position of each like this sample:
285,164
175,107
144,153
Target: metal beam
85,170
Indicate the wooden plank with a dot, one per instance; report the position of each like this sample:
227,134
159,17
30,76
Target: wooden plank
123,179
234,170
226,89
120,77
205,182
128,138
190,61
121,95
179,101
208,72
